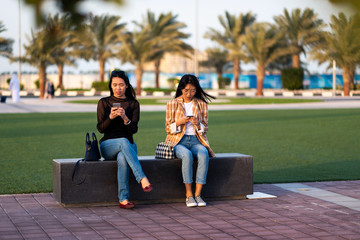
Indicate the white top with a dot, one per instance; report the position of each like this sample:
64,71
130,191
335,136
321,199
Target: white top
189,126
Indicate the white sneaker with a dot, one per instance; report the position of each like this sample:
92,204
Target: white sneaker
190,202
200,202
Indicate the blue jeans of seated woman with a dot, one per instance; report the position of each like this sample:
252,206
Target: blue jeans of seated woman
125,154
188,148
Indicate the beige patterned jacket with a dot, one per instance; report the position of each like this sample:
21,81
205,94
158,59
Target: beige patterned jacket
175,109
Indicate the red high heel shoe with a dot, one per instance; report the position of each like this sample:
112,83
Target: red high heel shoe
127,206
148,188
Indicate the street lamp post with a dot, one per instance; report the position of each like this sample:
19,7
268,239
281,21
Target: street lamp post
19,73
196,39
334,79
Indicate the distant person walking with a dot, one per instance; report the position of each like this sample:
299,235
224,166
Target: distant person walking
50,89
15,88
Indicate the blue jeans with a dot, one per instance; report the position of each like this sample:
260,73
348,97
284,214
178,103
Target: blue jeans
125,154
188,148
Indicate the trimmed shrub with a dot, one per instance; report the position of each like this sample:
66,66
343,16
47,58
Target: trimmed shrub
100,86
292,78
37,84
173,82
224,81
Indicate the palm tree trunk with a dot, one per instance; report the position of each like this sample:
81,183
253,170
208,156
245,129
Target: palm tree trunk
219,75
138,73
352,80
42,78
102,66
157,73
260,75
347,73
295,61
236,73
60,77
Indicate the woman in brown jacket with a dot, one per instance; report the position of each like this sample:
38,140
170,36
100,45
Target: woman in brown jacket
186,127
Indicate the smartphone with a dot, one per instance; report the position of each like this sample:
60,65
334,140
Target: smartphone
117,105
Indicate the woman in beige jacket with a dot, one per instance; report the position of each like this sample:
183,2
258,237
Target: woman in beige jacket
186,127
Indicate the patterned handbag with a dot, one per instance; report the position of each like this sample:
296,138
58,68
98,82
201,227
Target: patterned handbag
164,151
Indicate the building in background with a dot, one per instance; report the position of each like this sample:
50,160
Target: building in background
175,63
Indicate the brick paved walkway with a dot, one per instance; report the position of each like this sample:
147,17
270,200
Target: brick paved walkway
292,215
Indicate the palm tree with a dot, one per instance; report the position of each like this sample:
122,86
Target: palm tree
166,36
232,38
301,29
5,43
216,58
63,36
263,45
51,45
72,8
342,44
38,53
280,63
137,49
103,37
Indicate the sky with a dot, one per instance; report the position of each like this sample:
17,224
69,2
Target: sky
198,15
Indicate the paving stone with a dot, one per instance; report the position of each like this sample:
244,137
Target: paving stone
290,215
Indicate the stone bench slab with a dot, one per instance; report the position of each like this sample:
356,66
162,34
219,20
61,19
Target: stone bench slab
230,176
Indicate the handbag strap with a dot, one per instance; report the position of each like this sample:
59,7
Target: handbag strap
87,139
74,171
94,137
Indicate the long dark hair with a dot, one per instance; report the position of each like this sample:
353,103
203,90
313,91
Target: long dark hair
129,93
193,80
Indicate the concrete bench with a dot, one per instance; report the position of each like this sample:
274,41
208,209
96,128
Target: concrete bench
230,176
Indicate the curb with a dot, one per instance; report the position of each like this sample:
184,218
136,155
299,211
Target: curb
216,93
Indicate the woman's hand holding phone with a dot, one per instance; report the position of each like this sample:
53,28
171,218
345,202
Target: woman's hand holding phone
115,110
194,120
182,121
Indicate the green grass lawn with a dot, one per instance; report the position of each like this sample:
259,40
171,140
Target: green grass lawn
287,145
218,101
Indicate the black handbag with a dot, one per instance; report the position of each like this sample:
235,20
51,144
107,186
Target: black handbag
92,153
164,151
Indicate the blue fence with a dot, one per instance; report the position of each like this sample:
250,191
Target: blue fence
209,80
